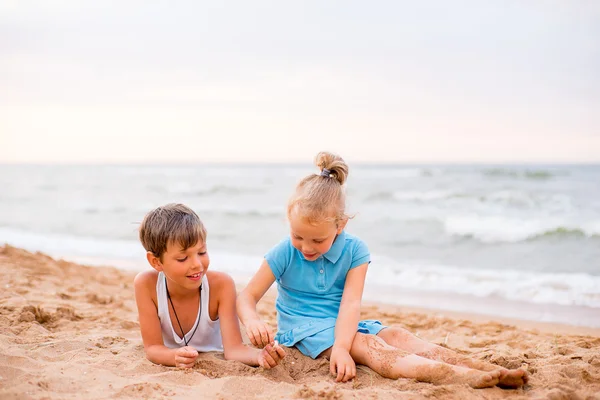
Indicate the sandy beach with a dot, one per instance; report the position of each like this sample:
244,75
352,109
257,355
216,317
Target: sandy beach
69,331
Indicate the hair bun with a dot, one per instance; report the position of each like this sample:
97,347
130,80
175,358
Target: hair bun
332,165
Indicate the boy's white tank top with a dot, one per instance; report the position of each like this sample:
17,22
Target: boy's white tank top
207,337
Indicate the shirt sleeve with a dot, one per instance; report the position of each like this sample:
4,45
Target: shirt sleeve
360,255
279,257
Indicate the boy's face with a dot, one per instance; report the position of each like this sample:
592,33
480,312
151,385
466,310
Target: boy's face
313,240
185,267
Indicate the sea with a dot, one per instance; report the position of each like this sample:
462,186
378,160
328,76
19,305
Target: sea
518,241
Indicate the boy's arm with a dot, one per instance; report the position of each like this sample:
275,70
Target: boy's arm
144,285
259,333
233,347
347,324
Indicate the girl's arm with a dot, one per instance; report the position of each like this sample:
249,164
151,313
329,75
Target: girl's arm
145,285
233,347
347,323
259,333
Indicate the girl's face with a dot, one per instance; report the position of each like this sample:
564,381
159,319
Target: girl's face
184,267
313,240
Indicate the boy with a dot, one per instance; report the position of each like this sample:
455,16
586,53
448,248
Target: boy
184,308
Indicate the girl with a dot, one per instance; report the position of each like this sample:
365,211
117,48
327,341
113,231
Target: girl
320,272
184,308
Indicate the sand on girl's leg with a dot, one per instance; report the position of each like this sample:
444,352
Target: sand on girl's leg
510,378
394,363
442,373
403,339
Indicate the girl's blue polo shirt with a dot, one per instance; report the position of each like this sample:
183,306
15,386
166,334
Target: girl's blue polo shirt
310,292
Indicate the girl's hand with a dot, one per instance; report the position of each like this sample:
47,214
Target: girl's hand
270,356
259,333
185,357
342,365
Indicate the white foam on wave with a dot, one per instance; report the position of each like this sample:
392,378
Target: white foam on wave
58,245
393,173
507,198
494,229
576,289
427,195
125,254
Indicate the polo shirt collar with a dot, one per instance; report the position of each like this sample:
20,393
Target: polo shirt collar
334,253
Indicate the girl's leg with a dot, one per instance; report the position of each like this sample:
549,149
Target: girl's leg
394,363
404,340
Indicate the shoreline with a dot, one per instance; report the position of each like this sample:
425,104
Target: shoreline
541,326
581,318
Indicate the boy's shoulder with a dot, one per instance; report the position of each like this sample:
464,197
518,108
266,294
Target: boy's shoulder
219,281
222,289
146,279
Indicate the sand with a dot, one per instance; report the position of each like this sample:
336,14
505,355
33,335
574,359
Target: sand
69,331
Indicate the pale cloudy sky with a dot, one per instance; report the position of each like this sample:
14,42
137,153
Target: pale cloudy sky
392,81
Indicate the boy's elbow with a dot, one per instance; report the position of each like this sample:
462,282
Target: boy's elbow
148,353
229,355
150,358
151,355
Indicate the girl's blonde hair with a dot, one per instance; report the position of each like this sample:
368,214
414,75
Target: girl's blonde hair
321,197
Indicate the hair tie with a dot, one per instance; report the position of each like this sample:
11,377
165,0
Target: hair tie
326,173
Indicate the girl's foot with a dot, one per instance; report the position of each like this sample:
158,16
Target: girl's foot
448,374
513,378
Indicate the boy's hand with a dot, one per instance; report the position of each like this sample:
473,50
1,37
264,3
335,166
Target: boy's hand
259,333
270,356
341,364
185,357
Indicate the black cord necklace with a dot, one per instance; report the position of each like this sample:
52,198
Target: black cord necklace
177,318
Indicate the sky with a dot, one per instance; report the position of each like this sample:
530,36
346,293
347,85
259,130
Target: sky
277,81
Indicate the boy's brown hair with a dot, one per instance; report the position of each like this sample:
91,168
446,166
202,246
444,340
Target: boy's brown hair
171,223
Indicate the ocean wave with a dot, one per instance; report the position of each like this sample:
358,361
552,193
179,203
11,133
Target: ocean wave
229,190
99,209
508,198
60,244
380,196
428,195
47,188
569,289
533,174
253,213
414,196
126,254
496,229
156,171
565,231
521,199
238,212
138,210
574,289
394,172
189,189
